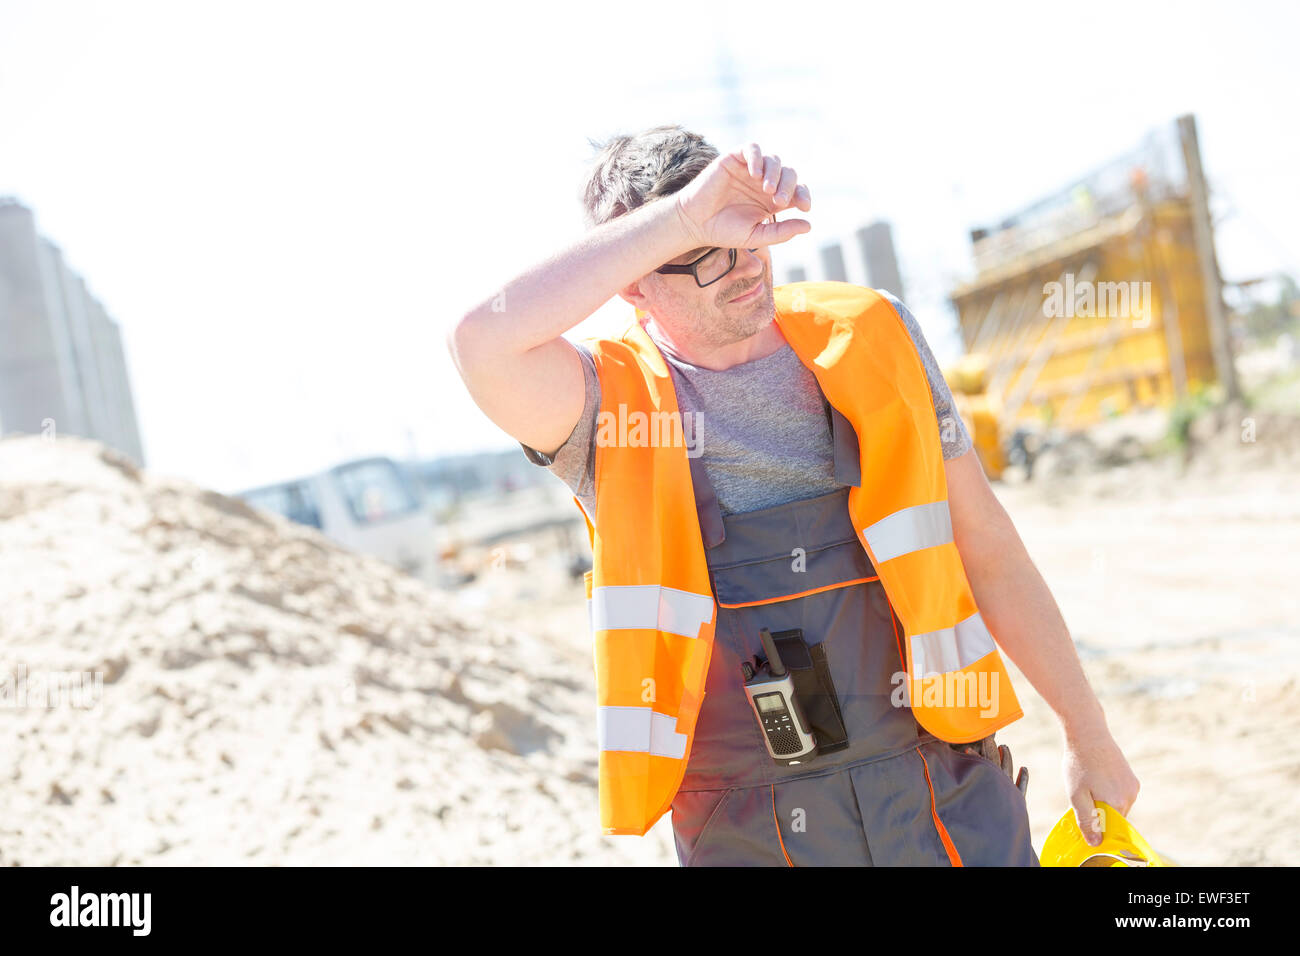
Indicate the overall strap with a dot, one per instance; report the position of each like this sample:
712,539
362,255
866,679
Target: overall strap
706,505
848,462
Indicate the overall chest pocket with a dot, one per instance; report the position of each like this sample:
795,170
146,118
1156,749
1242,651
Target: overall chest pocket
789,574
801,598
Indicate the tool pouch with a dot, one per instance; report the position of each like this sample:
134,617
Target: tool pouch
811,675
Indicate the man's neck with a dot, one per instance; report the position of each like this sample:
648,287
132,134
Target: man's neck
719,358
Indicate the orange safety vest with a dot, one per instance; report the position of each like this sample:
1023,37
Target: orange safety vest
650,604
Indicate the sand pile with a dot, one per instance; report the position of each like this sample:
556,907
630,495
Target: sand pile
264,696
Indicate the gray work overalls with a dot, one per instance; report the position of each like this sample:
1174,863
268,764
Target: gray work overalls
874,802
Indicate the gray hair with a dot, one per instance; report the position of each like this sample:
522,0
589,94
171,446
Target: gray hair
630,171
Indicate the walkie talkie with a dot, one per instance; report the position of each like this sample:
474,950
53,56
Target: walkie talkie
786,730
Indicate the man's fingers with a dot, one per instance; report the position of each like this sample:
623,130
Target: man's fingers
773,187
773,233
1088,816
785,186
768,171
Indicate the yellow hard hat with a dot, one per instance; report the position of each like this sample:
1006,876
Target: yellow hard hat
1121,844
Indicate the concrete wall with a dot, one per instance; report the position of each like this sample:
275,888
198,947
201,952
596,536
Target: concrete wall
62,364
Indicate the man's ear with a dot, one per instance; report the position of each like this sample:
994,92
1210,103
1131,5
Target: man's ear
632,294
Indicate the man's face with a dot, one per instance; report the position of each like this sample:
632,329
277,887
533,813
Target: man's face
710,316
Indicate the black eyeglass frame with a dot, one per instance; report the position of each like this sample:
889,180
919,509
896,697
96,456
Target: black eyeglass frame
690,268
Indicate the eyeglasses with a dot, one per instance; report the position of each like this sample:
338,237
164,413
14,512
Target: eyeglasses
708,268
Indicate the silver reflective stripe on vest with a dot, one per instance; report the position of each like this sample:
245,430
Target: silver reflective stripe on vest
630,607
952,648
909,529
640,730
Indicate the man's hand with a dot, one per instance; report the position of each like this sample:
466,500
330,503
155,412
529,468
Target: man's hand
727,204
1095,769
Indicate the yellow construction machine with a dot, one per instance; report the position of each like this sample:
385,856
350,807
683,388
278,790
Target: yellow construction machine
1101,300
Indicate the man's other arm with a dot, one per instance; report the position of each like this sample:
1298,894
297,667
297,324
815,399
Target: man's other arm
1021,613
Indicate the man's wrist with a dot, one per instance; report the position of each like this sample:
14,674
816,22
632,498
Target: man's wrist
688,231
1084,720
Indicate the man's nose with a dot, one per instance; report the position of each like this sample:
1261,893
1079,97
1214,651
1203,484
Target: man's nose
750,263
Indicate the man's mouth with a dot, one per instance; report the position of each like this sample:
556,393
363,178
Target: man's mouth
752,293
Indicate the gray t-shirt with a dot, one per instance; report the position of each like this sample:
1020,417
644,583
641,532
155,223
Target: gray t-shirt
765,436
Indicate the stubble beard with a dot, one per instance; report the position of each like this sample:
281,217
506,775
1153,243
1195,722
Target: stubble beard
728,324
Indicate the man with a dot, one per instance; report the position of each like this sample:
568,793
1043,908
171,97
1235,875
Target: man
793,403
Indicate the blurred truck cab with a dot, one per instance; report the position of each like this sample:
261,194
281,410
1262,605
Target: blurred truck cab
367,505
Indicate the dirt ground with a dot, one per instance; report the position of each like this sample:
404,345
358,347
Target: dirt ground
1179,592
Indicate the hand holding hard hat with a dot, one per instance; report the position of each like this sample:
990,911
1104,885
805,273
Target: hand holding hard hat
1121,844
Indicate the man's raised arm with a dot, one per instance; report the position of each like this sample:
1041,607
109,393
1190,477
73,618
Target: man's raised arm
518,368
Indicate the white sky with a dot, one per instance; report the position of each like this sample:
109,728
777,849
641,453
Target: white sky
284,205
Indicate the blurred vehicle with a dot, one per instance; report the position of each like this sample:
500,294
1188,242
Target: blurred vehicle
367,505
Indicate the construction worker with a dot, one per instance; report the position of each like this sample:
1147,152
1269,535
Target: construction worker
777,467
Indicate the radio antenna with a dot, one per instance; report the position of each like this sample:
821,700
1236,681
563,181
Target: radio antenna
773,656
